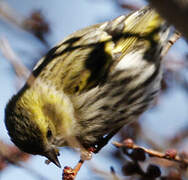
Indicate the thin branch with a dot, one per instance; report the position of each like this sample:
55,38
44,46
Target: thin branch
128,6
34,24
174,11
174,37
168,155
69,173
20,70
10,15
11,155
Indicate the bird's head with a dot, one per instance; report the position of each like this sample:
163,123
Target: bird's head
29,128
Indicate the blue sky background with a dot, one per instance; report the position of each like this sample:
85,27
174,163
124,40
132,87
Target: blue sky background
66,17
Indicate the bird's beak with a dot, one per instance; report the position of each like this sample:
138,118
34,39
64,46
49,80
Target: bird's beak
52,156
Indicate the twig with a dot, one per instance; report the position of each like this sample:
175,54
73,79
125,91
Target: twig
20,70
169,154
104,140
129,6
10,154
175,36
69,173
179,136
10,15
176,14
34,24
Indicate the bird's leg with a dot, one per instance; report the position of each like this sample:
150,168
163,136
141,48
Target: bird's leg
69,173
104,140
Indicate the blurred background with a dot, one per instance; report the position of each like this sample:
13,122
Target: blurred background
28,29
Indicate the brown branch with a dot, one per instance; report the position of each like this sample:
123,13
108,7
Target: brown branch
69,173
11,155
9,15
174,11
129,6
179,137
168,155
174,37
20,70
34,24
126,5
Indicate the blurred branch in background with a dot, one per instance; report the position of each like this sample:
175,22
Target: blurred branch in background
127,5
20,70
34,24
172,39
175,12
11,155
137,154
22,73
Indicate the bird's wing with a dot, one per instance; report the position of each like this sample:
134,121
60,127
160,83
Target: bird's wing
85,58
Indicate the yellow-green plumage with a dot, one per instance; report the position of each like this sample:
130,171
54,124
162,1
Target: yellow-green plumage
71,66
92,83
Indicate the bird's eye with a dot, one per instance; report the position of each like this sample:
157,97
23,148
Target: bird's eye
49,134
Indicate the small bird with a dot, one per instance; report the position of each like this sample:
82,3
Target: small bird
90,85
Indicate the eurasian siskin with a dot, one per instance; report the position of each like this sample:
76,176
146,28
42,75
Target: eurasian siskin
90,85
